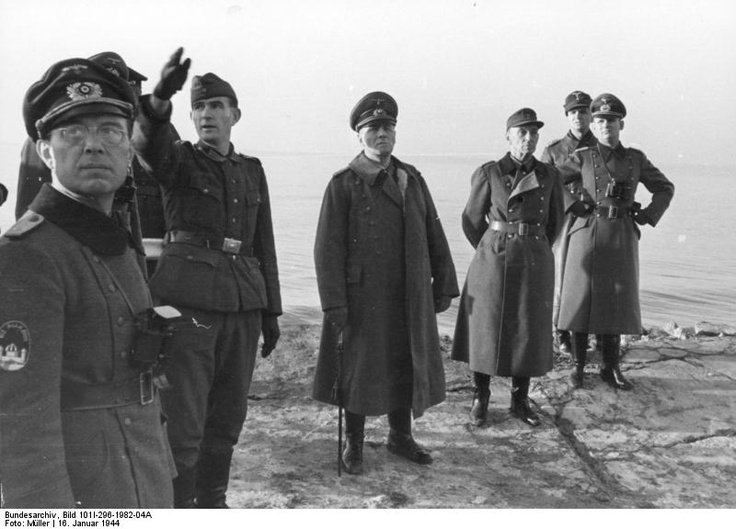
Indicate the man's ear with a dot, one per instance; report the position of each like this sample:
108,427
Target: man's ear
236,114
622,124
45,152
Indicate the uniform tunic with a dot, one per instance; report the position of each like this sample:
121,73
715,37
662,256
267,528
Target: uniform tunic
72,425
386,259
556,153
507,298
600,289
210,198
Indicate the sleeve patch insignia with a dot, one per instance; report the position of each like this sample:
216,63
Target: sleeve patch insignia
15,345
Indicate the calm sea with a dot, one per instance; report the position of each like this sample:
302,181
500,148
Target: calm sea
687,263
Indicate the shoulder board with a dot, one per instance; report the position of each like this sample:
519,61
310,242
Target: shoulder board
27,223
554,142
341,172
583,149
634,149
250,158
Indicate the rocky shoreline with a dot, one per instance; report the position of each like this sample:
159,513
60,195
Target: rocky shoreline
669,443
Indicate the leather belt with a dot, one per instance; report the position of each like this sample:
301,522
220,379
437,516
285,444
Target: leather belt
224,244
519,228
612,212
139,390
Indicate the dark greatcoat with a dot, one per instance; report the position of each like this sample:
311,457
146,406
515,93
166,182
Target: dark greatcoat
387,265
72,425
556,153
600,289
502,325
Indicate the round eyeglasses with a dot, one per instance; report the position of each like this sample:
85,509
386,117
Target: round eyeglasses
78,134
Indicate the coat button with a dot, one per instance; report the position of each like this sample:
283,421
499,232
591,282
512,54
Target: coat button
111,287
96,259
235,201
120,320
123,354
205,191
127,421
510,236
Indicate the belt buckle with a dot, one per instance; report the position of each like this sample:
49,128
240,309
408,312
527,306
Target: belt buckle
523,228
613,212
146,386
231,245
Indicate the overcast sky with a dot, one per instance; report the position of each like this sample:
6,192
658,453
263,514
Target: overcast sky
457,68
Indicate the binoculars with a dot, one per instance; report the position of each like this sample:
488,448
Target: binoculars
619,191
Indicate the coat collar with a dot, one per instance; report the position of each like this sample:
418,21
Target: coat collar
509,166
89,226
586,140
374,174
619,150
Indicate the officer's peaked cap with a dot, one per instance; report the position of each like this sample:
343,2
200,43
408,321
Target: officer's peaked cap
608,105
376,106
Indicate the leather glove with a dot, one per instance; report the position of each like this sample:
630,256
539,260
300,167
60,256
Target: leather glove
271,334
442,304
173,76
641,217
338,317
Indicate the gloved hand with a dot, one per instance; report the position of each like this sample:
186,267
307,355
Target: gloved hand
338,317
641,217
173,76
271,333
442,304
580,208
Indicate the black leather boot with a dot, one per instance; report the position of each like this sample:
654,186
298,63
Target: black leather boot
520,401
352,455
184,488
579,352
400,440
610,372
213,475
481,396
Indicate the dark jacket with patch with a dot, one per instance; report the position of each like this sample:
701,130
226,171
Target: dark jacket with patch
386,260
72,426
212,197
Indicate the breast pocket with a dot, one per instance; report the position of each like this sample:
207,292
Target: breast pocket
198,204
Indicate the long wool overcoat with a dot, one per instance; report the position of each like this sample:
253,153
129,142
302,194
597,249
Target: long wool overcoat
505,314
387,260
600,288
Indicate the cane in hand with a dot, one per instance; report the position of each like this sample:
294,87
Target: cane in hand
338,395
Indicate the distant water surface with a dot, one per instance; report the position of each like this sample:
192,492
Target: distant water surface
687,262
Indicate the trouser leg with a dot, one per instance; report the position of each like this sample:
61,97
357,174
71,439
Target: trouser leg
611,372
579,351
520,401
481,396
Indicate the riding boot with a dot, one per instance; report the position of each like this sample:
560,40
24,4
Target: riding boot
481,396
579,351
520,401
610,372
352,456
184,488
400,440
213,475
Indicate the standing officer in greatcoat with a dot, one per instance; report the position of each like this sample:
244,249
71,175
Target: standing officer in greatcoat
514,212
218,269
600,287
577,112
383,270
80,416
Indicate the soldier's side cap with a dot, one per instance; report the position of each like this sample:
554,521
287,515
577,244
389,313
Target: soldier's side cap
524,116
209,85
75,87
577,99
375,106
608,105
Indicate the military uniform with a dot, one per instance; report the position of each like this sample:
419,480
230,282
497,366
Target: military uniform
80,425
556,153
80,418
219,268
600,288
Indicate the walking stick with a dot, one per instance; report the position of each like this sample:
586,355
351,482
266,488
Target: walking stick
338,395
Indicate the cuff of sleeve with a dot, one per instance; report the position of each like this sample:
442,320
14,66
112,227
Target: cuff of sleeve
151,114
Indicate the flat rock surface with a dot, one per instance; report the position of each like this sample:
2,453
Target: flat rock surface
669,443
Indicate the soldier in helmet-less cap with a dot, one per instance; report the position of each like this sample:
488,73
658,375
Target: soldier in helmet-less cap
218,268
600,287
577,111
72,296
383,270
514,212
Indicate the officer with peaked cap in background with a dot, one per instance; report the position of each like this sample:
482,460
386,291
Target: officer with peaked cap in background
577,112
138,201
513,214
384,270
80,417
600,287
218,268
